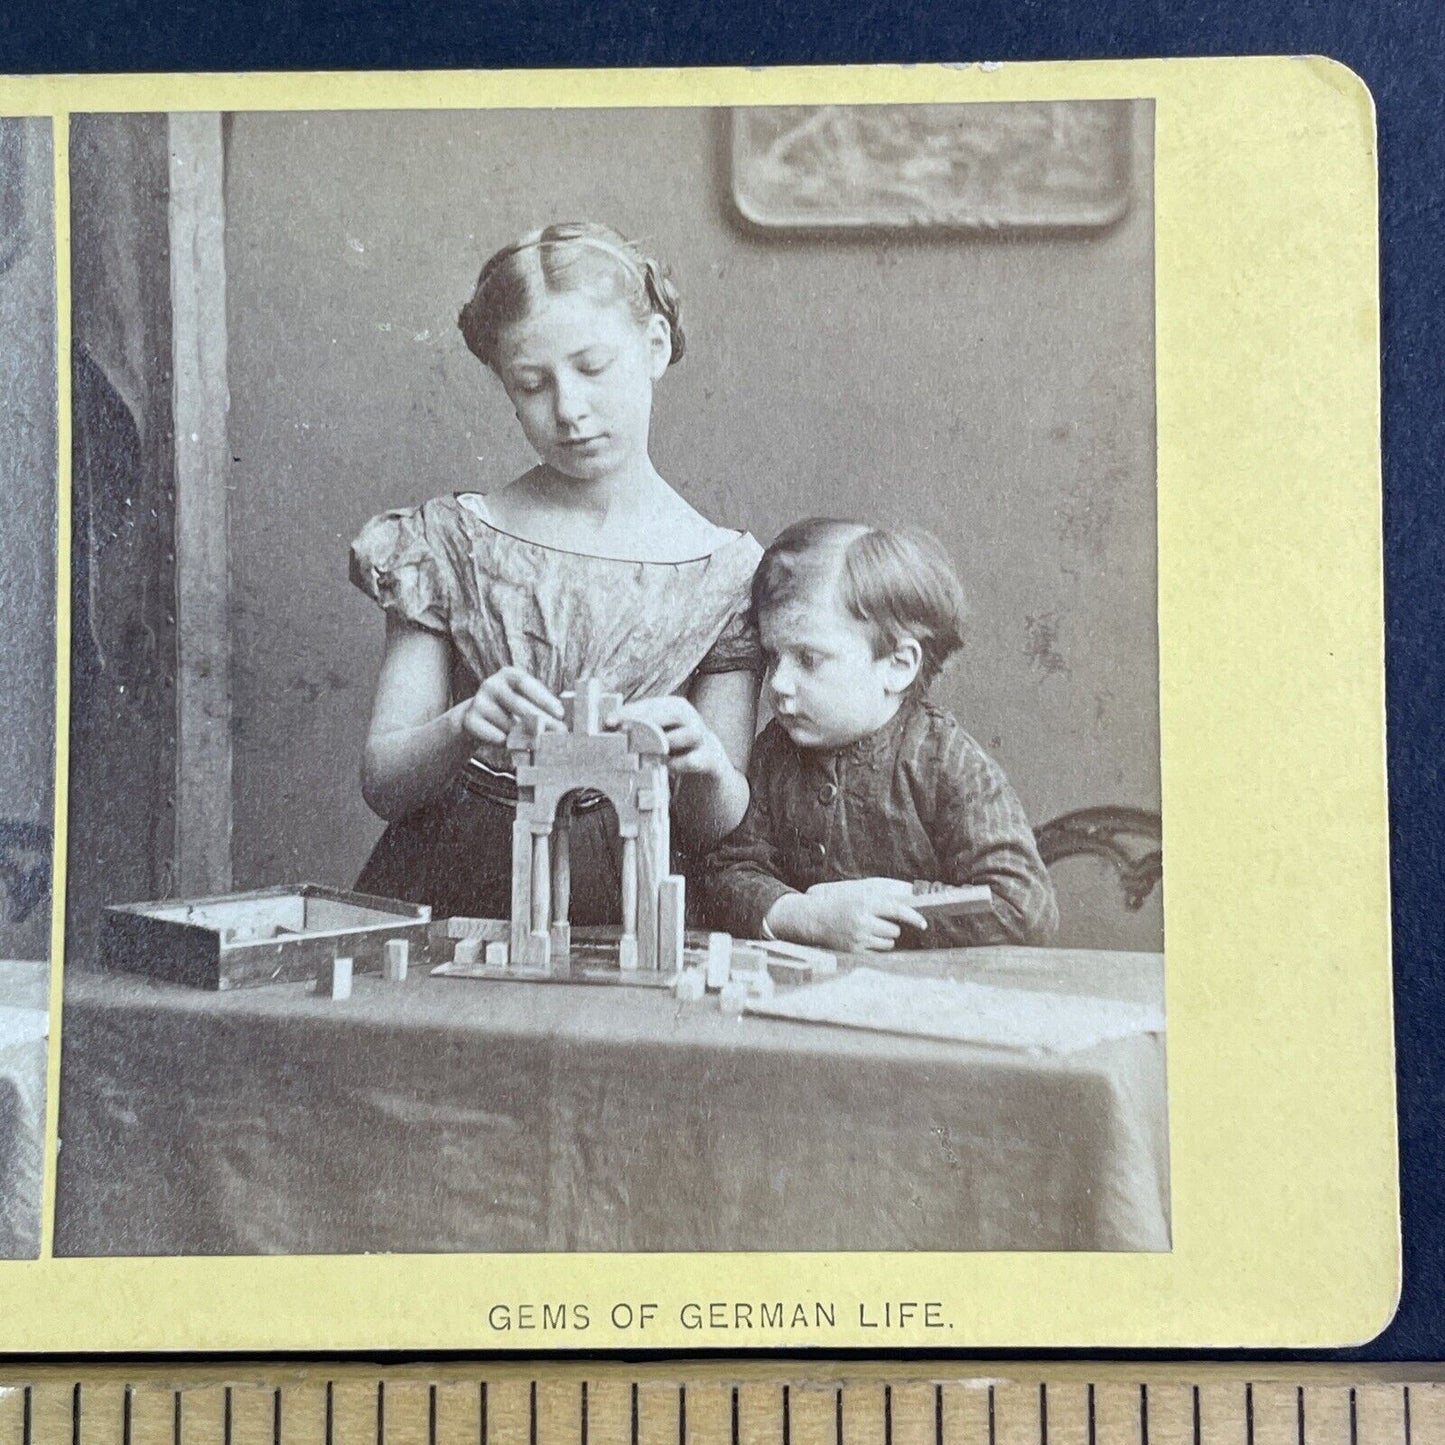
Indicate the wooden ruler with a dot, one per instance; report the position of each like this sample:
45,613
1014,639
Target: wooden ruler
779,1403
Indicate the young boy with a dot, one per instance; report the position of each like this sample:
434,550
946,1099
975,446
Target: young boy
859,784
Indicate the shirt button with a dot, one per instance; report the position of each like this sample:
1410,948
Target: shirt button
827,793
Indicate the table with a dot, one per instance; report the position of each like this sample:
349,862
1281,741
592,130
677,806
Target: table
24,1029
460,1115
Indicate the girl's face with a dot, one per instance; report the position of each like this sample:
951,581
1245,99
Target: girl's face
580,373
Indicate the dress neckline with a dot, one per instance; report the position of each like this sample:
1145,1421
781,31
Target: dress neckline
476,516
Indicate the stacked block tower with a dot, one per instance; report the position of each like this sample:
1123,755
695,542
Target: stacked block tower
626,762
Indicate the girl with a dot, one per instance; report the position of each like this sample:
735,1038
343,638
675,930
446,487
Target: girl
588,565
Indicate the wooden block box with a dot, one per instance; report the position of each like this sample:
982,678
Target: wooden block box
243,940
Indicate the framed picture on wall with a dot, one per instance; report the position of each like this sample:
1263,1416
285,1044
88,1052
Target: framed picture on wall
1003,168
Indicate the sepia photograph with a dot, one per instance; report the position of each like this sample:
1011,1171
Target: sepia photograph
615,678
27,666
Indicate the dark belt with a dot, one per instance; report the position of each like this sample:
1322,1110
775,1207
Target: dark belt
497,785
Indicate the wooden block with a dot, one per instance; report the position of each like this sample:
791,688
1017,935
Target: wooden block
653,854
468,951
397,958
691,985
748,959
489,930
521,882
535,952
719,959
671,924
788,971
496,955
560,757
336,980
760,984
587,708
949,902
646,740
734,996
818,960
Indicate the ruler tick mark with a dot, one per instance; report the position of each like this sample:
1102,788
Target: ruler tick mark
176,1419
992,1427
431,1417
276,1417
888,1415
1354,1420
1407,1415
787,1419
125,1417
381,1412
1043,1413
25,1408
75,1415
330,1415
736,1432
1299,1414
582,1413
1093,1422
682,1415
1249,1414
838,1415
482,1416
1143,1414
937,1415
1198,1424
633,1436
531,1415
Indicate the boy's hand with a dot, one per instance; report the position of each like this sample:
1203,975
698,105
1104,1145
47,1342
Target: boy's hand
854,915
692,746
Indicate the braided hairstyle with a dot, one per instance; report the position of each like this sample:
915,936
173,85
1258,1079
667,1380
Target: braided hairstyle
567,256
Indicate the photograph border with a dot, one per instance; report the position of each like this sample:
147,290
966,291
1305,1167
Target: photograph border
1272,710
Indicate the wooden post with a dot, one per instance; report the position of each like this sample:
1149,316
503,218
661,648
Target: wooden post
671,923
521,887
541,879
561,930
627,944
653,865
200,400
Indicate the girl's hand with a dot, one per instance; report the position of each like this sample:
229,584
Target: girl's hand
507,697
854,915
692,747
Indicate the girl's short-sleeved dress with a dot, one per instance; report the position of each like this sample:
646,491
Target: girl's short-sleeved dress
644,629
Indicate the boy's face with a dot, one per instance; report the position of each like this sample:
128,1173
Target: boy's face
825,686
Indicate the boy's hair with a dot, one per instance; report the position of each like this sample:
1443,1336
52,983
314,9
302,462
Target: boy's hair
567,256
900,584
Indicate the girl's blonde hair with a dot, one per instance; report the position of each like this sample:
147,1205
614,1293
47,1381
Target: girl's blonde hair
899,584
567,256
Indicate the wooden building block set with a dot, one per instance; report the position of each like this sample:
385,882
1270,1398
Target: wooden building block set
270,935
278,935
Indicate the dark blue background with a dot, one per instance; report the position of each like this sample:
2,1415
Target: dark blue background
1398,46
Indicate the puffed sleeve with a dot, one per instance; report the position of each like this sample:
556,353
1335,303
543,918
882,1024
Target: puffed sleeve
400,561
737,648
